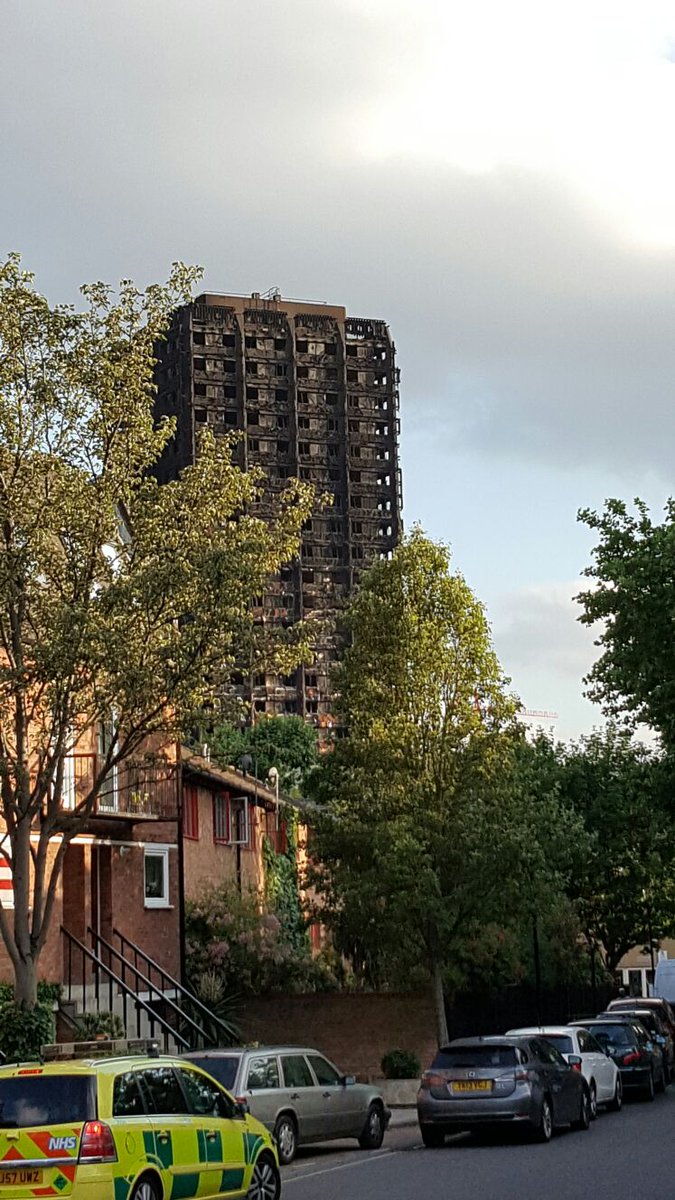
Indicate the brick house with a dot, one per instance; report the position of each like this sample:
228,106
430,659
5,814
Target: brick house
162,828
226,815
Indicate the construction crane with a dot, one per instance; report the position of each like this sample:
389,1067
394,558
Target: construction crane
540,713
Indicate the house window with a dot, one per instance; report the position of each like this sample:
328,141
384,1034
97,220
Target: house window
106,742
191,813
221,819
240,822
156,877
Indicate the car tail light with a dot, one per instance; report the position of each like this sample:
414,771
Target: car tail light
633,1057
523,1076
430,1080
97,1143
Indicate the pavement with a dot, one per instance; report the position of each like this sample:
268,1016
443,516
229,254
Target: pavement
623,1156
403,1116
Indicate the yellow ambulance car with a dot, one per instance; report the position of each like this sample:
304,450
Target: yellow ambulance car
128,1128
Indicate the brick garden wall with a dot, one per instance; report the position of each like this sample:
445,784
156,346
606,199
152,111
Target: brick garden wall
353,1029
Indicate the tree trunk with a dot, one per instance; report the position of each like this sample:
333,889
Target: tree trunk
25,982
439,1003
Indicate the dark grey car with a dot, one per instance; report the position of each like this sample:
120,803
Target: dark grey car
299,1095
478,1082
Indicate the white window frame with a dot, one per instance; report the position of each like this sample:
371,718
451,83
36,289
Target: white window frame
108,797
234,802
163,900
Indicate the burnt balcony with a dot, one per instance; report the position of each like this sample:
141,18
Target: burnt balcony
138,790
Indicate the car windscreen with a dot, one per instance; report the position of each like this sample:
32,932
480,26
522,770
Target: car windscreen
561,1041
30,1100
615,1035
456,1057
222,1068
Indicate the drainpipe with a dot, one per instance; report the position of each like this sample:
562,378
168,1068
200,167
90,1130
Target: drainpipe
181,862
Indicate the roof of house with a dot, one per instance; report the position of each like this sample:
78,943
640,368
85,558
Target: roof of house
228,779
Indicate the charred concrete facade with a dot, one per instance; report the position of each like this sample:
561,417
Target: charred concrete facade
315,394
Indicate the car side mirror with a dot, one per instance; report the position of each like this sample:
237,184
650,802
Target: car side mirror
348,1080
241,1110
575,1061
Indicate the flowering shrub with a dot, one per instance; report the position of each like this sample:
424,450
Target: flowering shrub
233,937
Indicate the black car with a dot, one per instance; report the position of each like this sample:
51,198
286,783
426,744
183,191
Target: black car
521,1081
658,1032
639,1060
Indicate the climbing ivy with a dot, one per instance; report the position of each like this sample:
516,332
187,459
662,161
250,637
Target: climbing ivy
282,888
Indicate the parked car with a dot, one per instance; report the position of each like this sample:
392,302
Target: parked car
131,1126
585,1054
638,1059
662,1007
299,1095
658,1032
517,1081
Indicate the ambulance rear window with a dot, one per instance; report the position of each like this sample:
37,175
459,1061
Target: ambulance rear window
33,1100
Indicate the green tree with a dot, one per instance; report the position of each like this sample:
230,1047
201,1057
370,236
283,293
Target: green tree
117,596
414,818
632,599
624,890
286,743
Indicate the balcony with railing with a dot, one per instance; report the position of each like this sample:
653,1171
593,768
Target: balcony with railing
140,790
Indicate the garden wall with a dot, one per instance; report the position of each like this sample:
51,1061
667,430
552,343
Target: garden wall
354,1029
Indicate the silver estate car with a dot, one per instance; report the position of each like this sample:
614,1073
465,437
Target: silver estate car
299,1095
477,1082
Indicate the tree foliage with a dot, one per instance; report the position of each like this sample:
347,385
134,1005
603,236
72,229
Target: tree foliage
632,598
117,596
286,743
414,823
624,889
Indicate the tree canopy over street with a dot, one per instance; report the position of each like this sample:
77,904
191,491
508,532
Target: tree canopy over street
120,601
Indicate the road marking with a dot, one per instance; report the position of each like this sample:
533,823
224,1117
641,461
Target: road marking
341,1167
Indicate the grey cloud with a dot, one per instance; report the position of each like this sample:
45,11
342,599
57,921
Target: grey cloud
546,652
541,624
228,133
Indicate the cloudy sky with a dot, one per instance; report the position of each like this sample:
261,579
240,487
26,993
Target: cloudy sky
497,181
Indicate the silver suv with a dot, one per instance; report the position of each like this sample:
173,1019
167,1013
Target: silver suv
299,1095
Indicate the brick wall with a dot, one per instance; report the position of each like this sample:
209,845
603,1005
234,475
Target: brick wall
353,1029
210,864
155,930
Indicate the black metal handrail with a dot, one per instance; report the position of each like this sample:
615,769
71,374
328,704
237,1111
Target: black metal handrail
169,981
114,980
200,1037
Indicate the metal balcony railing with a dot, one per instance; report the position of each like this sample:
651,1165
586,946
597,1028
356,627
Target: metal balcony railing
138,790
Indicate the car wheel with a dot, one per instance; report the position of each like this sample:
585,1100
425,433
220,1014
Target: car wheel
594,1101
616,1102
649,1091
584,1119
266,1181
372,1135
544,1129
432,1136
146,1189
286,1138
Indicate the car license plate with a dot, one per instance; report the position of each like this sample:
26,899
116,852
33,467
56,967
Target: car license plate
16,1176
473,1085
